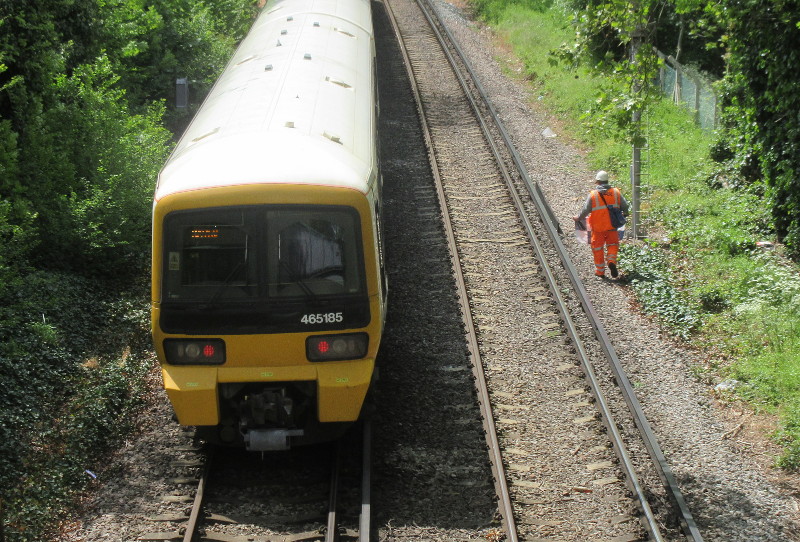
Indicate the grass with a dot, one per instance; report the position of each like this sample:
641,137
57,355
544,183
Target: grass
701,273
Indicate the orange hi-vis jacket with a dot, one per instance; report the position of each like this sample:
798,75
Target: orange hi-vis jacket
599,219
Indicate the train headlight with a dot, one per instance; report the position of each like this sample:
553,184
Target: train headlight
194,351
337,347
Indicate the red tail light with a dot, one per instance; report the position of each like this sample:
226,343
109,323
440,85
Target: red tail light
194,351
337,347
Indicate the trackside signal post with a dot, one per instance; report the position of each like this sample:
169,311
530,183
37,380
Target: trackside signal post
181,93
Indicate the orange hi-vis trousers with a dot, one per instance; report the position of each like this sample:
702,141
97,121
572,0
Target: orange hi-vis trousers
604,240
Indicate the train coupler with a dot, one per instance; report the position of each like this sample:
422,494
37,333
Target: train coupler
270,440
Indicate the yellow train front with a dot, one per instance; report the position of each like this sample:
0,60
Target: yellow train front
268,290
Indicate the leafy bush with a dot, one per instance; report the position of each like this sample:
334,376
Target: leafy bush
760,100
58,413
93,200
789,436
83,88
650,277
176,38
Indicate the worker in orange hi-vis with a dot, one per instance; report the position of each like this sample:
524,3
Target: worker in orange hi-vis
605,237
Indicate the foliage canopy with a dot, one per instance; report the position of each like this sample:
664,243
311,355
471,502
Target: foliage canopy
761,115
85,88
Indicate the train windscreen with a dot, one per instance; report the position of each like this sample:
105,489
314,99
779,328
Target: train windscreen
268,253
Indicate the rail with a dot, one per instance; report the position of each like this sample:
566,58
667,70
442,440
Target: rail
688,524
506,508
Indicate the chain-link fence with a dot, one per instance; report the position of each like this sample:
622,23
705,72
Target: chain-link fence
689,88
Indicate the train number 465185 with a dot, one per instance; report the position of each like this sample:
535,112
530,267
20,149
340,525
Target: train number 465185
323,318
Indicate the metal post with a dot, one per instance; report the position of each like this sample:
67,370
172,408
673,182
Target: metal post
636,158
636,170
181,93
697,83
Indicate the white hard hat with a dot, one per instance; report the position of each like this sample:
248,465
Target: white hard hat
601,177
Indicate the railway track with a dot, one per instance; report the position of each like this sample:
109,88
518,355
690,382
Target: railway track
480,179
310,495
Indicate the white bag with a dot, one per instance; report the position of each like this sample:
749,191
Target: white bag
581,233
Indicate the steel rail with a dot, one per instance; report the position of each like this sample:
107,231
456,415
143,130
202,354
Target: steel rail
506,508
332,530
551,225
197,503
365,520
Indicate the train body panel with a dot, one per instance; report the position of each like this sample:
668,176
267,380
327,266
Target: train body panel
341,388
268,290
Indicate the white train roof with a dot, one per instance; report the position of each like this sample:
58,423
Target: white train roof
294,105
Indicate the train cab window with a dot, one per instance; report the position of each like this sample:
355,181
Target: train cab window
305,253
313,252
210,256
214,254
247,253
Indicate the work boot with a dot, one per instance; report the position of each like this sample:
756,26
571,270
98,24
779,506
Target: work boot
613,268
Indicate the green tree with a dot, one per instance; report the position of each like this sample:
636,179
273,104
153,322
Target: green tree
151,46
83,88
91,171
617,38
761,105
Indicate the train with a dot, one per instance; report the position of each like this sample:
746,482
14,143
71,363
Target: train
269,285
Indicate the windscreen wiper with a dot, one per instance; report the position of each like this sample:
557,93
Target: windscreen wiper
310,295
218,292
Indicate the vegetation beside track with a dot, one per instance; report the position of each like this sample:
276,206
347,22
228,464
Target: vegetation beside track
86,121
705,271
